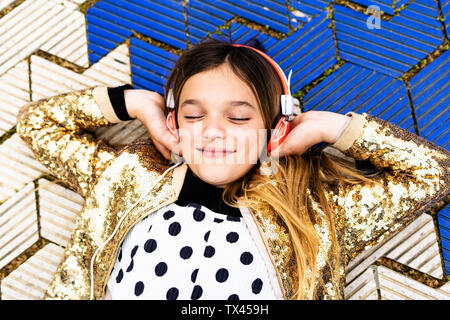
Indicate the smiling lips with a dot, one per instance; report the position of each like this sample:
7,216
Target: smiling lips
214,153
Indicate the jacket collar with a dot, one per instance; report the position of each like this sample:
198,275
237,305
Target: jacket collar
271,228
196,191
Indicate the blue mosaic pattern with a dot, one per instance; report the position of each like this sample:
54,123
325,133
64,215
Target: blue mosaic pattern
110,22
368,80
430,92
358,89
396,46
444,230
150,65
445,6
310,7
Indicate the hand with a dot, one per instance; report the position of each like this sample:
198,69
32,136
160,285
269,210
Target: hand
310,128
148,107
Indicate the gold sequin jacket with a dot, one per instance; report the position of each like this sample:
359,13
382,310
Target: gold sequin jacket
60,132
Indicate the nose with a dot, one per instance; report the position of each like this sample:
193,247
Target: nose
212,129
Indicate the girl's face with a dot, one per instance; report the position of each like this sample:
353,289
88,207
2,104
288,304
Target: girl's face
218,111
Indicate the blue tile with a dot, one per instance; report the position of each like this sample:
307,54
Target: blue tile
150,65
430,93
309,51
204,17
397,46
445,6
444,231
358,89
110,22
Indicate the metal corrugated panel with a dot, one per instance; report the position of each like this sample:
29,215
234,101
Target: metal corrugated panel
150,65
59,208
444,231
384,5
354,88
265,12
70,43
397,45
18,167
14,86
32,24
445,6
298,18
416,246
18,224
395,286
430,92
204,17
242,34
31,279
311,7
308,51
111,22
364,287
49,79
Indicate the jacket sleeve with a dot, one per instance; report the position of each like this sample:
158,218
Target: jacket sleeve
413,177
60,132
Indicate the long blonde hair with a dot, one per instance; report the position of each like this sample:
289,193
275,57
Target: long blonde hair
287,193
296,174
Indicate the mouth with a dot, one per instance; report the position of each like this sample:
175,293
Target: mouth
214,153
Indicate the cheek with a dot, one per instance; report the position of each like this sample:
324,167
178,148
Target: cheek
249,145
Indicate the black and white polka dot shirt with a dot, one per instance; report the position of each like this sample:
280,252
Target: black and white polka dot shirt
191,251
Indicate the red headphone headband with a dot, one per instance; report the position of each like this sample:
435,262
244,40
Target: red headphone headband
273,63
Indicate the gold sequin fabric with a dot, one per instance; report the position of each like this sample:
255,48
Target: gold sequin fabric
60,132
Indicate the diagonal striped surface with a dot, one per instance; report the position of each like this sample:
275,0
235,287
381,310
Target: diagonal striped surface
358,89
204,17
308,51
14,87
416,246
58,210
397,45
356,68
18,167
430,90
444,230
31,279
36,24
150,65
445,6
18,224
111,22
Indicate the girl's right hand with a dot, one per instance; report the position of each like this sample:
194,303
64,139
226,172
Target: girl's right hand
148,107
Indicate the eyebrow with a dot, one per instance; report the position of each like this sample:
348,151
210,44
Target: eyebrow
231,102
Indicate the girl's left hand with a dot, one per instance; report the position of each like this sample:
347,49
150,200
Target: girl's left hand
310,128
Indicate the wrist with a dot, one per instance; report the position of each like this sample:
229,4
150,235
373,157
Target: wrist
343,126
117,99
130,103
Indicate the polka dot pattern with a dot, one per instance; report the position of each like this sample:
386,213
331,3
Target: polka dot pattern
189,253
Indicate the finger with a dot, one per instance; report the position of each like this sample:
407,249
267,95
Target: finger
277,152
164,151
159,133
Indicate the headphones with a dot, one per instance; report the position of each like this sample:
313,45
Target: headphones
282,120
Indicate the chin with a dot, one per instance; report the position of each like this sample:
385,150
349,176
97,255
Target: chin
217,174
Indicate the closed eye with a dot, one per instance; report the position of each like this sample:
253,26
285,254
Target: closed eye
234,119
239,119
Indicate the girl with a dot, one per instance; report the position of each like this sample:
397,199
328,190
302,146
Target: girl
214,226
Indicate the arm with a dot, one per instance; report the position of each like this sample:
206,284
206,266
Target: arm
59,131
414,177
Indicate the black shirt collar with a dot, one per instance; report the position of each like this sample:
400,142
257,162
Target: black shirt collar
196,191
